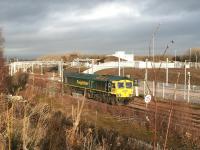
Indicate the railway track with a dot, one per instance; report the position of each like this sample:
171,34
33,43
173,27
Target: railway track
184,116
186,119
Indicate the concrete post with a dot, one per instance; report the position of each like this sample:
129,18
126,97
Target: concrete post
14,68
41,69
146,73
153,47
123,70
24,67
119,66
167,72
53,76
185,82
79,67
92,66
175,60
153,88
136,91
32,68
144,88
175,92
188,95
163,91
10,69
60,68
196,61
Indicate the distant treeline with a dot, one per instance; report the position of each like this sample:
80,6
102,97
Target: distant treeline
70,57
192,55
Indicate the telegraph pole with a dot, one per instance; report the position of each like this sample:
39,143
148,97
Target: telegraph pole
146,72
146,75
175,59
153,47
185,82
167,72
153,41
119,66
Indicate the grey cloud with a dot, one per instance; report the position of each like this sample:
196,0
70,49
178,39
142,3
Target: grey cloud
171,7
24,23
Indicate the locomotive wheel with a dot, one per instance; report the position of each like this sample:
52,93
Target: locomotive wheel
103,98
89,95
113,100
109,100
125,101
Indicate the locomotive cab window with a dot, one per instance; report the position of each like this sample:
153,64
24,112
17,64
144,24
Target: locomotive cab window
128,84
113,85
120,85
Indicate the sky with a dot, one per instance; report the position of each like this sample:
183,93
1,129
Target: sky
41,27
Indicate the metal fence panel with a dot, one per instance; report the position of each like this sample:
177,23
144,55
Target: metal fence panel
169,90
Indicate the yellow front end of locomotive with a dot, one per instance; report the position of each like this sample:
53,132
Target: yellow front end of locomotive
123,88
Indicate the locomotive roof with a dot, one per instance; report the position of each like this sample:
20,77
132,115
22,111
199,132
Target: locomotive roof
94,76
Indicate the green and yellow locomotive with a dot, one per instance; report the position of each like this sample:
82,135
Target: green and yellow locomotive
105,88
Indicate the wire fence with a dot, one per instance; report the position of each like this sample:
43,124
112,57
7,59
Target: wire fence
178,92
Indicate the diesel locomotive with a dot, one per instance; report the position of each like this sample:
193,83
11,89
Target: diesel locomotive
105,88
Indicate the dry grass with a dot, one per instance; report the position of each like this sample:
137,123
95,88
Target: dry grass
42,122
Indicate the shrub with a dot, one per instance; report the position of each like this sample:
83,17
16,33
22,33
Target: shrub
16,83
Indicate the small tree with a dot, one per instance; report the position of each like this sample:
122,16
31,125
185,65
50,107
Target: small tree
16,83
194,54
3,70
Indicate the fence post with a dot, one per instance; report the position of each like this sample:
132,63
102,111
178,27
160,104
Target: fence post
175,92
53,76
41,70
32,68
153,88
14,67
119,69
167,72
92,66
188,95
185,82
144,88
10,69
146,71
136,91
163,90
60,68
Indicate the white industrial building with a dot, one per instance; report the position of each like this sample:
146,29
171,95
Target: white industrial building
124,56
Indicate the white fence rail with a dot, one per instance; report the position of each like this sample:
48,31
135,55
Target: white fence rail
162,90
140,64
